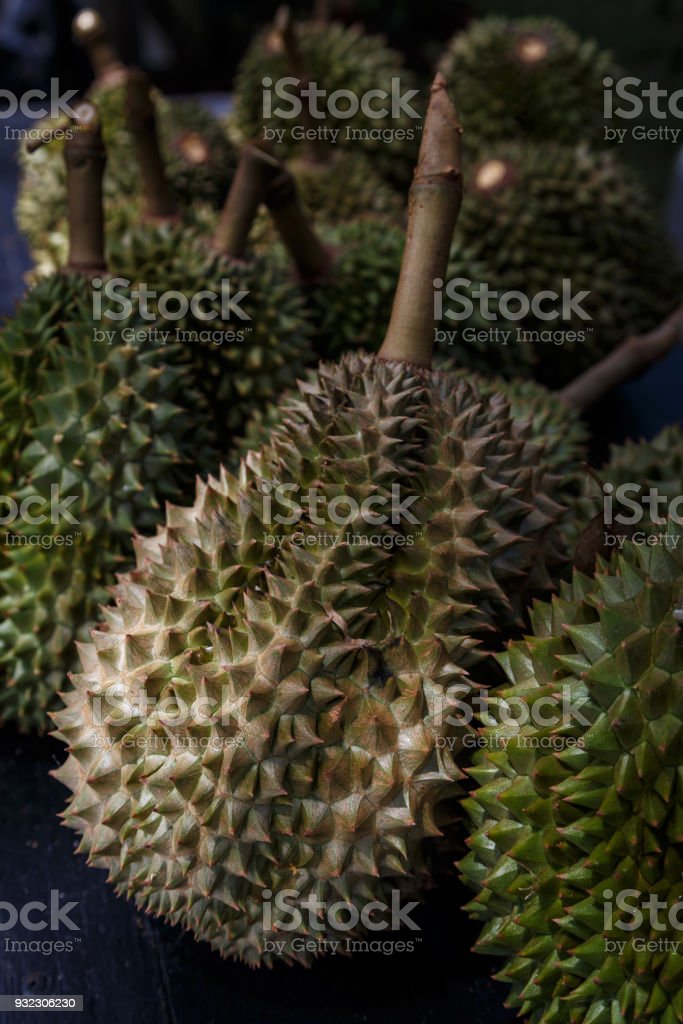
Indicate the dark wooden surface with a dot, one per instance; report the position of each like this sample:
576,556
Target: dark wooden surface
133,970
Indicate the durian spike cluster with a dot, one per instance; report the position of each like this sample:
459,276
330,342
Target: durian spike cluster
578,816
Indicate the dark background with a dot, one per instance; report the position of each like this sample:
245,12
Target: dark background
130,968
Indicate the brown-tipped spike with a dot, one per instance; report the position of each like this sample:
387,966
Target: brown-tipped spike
141,118
89,30
241,205
85,158
312,259
434,204
634,356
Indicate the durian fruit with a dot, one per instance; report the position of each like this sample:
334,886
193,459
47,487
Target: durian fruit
531,79
348,273
200,160
578,820
96,436
335,58
322,651
565,220
253,345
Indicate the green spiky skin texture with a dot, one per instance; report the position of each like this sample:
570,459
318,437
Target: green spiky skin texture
345,187
564,815
335,57
267,352
326,658
647,464
199,159
559,214
510,73
350,305
114,426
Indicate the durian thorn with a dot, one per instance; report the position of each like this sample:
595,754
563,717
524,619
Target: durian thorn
85,158
90,31
630,359
246,194
142,124
433,207
313,260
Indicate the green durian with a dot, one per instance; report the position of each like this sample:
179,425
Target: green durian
325,646
336,58
242,363
112,424
572,816
527,79
534,218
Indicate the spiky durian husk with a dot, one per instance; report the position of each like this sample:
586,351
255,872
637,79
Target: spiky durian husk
344,188
657,463
199,159
537,215
335,57
235,376
527,79
566,816
327,657
110,423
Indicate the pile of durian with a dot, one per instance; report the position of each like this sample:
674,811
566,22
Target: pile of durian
255,701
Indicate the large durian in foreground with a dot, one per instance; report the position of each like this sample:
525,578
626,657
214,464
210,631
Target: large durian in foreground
199,159
570,819
559,219
323,653
532,79
112,425
336,58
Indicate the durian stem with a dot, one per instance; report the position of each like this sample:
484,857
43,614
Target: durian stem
630,359
322,12
159,203
313,261
85,158
90,31
241,205
433,207
316,149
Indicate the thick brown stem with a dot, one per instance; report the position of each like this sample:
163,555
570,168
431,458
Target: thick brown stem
434,204
241,205
317,151
631,358
313,261
322,12
90,31
85,158
159,203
